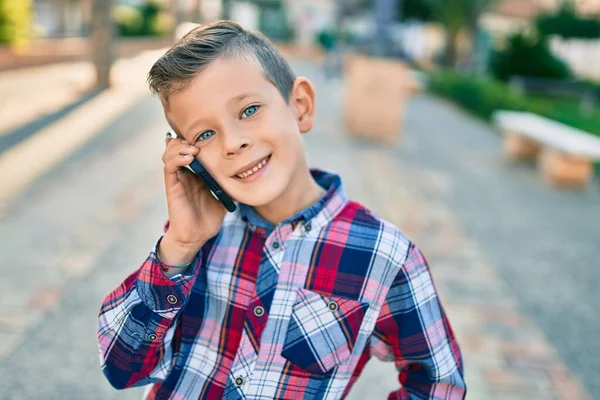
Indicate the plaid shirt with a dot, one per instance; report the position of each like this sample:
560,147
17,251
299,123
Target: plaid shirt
293,312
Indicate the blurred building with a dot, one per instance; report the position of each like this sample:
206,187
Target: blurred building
285,20
73,18
509,16
62,18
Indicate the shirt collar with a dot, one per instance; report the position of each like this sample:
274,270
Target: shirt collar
319,212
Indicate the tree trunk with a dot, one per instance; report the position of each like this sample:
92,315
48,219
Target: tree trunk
179,13
452,50
102,41
198,17
226,9
62,18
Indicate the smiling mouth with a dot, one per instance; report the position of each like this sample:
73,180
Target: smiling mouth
257,167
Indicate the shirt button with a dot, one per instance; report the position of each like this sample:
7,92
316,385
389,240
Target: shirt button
259,311
333,306
172,299
276,245
307,227
239,381
152,337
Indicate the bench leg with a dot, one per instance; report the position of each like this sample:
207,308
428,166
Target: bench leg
517,147
562,170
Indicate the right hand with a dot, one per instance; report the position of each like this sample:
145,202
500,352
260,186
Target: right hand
194,214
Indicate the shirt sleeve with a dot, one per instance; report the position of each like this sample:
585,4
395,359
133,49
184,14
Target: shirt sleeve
137,323
413,330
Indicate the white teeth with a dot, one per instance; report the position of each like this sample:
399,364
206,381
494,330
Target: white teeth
254,169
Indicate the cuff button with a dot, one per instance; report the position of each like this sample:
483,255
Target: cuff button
172,299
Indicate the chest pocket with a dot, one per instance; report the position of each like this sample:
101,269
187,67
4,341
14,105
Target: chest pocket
322,330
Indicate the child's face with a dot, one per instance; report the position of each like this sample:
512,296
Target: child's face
241,123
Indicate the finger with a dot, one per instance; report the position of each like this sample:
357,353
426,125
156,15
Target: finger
186,149
176,171
173,166
186,176
176,161
177,150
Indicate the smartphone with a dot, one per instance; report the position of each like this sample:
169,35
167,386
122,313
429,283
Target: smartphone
216,190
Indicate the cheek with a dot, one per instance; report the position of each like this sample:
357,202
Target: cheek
209,161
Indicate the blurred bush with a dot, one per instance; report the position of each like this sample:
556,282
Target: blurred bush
478,94
567,24
483,95
527,55
147,19
273,21
162,24
15,22
128,20
327,38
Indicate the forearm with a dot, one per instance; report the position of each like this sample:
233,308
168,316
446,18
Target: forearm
414,330
132,351
175,258
136,318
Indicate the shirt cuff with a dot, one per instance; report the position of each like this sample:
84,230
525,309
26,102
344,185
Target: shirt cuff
163,295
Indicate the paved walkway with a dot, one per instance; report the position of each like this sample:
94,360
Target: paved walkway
497,240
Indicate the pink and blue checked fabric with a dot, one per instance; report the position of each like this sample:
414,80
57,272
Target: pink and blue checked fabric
291,314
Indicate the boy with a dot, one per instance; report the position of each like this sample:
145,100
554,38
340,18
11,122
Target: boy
290,295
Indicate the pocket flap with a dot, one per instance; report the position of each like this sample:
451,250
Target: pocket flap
322,330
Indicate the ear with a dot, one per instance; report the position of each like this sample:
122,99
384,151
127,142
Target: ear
302,99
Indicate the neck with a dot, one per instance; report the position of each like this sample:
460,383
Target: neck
302,192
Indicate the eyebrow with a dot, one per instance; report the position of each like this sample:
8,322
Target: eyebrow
235,99
172,126
193,126
242,96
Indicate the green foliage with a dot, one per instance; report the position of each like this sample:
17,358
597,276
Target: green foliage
415,9
457,16
147,19
453,15
478,94
567,24
409,9
15,22
482,96
149,11
327,38
527,56
128,19
162,24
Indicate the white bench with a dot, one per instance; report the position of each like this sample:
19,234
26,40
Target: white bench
565,155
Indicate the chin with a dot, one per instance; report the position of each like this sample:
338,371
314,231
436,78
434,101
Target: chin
259,195
256,199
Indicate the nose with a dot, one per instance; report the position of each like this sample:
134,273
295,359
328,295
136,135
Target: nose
234,142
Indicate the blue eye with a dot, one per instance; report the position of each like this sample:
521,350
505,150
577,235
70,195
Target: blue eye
205,135
249,111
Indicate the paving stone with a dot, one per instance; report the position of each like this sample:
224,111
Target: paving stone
8,343
45,298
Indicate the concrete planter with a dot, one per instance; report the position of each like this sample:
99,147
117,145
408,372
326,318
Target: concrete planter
376,91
